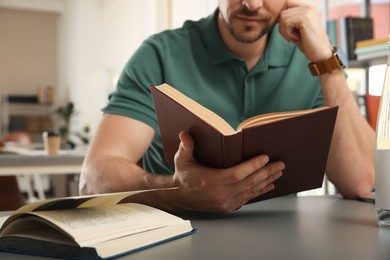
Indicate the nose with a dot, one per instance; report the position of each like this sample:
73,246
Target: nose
252,4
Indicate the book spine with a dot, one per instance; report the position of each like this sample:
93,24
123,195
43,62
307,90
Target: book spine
332,31
371,42
232,148
357,29
343,36
30,123
372,48
371,55
22,99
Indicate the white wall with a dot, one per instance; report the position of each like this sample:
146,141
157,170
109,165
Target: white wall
97,37
82,77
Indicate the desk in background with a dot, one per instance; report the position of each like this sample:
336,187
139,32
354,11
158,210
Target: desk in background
283,228
36,164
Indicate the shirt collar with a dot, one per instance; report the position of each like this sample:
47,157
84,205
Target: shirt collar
277,53
217,51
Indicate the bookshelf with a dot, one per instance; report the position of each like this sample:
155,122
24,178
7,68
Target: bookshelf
369,61
349,21
359,70
25,113
327,9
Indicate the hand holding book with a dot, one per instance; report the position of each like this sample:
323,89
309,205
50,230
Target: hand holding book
301,139
206,189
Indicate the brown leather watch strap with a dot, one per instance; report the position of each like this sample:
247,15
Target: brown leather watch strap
326,66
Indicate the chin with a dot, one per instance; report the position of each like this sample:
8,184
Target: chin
249,34
247,38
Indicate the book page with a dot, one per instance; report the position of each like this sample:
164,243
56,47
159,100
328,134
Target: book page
219,123
105,199
272,117
119,245
197,109
2,220
92,225
98,200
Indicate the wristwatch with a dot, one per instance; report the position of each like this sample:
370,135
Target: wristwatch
337,61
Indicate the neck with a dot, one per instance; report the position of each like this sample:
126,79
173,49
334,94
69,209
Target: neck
250,52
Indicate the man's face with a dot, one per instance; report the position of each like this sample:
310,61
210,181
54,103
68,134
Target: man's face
248,23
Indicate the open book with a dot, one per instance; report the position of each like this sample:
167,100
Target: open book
299,138
89,227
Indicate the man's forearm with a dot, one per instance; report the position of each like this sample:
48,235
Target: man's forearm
351,159
106,174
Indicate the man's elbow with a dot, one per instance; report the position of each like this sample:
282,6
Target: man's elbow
83,187
361,186
85,184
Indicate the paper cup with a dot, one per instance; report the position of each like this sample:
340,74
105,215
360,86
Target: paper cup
51,143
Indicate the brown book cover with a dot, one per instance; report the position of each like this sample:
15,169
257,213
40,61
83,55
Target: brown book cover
299,138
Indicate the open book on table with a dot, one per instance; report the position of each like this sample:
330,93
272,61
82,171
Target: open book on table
299,138
89,227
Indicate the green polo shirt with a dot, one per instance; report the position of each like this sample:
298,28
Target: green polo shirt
194,60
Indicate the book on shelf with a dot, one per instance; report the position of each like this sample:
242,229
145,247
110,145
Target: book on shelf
372,55
30,123
22,99
299,138
355,29
371,48
45,94
89,227
372,42
345,32
371,51
333,31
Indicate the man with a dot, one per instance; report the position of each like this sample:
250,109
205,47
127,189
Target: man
249,57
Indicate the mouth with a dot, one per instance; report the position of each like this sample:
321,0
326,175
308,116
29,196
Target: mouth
250,21
250,18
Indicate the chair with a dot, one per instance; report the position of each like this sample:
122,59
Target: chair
372,105
11,197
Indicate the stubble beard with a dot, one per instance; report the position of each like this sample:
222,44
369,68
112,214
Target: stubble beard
248,34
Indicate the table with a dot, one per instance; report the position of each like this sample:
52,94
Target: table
322,227
36,164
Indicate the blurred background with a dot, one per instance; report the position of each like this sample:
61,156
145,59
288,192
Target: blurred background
59,59
79,47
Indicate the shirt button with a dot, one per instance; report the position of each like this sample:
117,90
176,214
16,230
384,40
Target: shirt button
248,102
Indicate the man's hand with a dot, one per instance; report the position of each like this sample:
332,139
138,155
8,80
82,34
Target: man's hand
205,189
301,24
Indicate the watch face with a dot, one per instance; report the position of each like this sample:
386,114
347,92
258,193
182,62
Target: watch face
342,57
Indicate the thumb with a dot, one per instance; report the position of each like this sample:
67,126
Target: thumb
186,147
187,142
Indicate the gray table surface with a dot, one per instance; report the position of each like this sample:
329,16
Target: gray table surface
283,228
40,159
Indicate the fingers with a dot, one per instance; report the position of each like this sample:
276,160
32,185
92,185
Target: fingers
257,188
222,190
243,170
255,177
263,177
294,21
301,24
252,178
247,168
295,3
